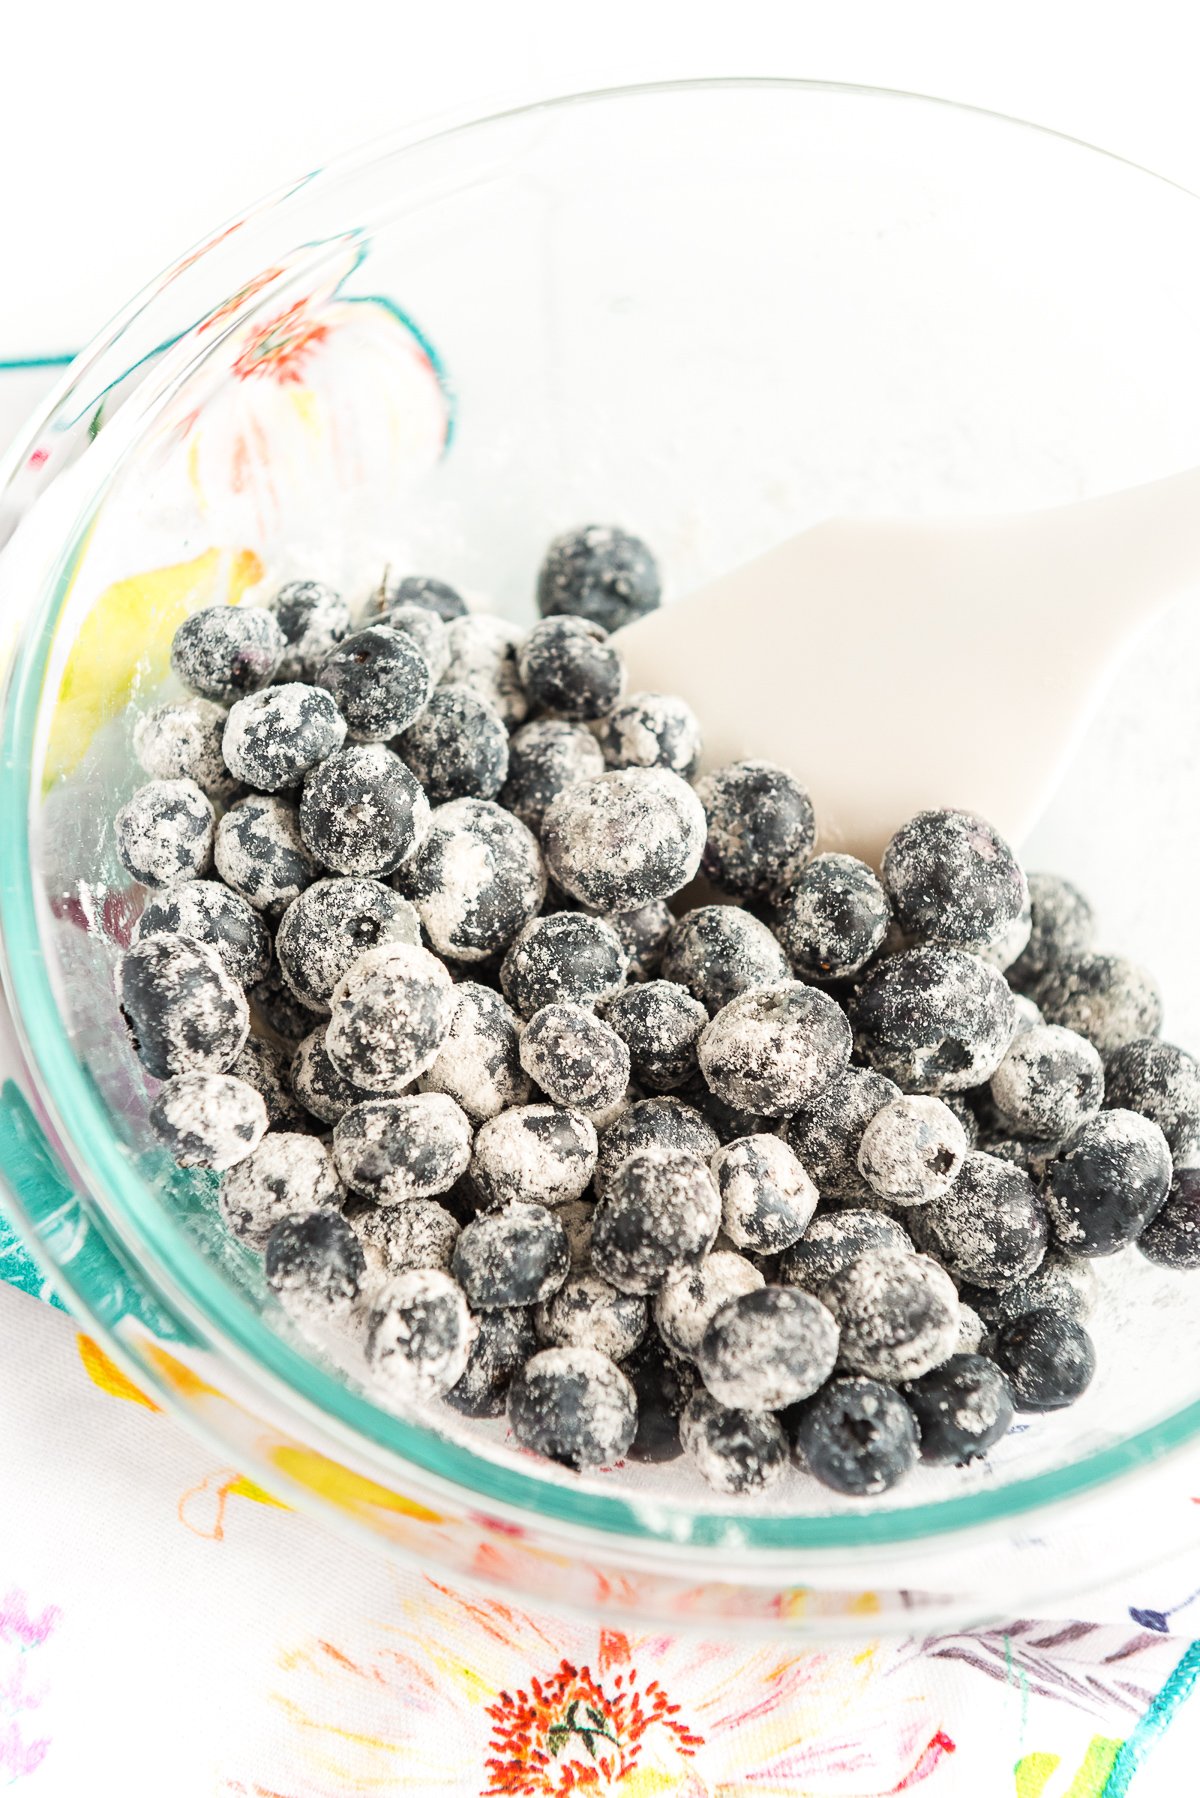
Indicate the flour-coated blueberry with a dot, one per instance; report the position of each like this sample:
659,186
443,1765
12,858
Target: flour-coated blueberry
164,833
601,572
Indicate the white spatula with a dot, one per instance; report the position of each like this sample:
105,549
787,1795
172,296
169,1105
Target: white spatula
895,664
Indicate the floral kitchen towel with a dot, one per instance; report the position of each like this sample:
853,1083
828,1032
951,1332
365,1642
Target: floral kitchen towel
167,1627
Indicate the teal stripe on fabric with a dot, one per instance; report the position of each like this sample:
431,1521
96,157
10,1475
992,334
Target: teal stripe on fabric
1153,1723
9,364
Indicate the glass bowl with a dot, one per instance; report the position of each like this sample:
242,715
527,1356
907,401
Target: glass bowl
712,312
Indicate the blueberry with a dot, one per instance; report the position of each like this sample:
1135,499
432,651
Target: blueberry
652,730
394,1150
760,828
260,854
208,912
990,1227
727,1122
543,758
329,925
855,1436
505,1341
1163,1083
648,1125
419,1336
690,1297
563,956
568,667
1048,1358
962,1408
428,632
479,1062
573,1405
208,1120
834,1239
536,1152
287,1173
586,1312
1050,1082
827,1132
912,1150
773,1048
601,572
313,619
315,1267
181,740
1062,925
458,747
833,917
1059,1283
575,1058
1109,1182
483,656
662,1385
225,651
389,1016
625,838
733,1451
164,833
767,1199
719,951
936,1020
423,590
767,1348
476,880
379,680
265,1066
394,1238
516,1255
898,1315
318,1085
362,811
643,933
660,1024
953,880
183,1010
1106,998
661,1211
1172,1239
274,737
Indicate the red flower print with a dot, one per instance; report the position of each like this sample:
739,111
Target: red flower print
568,1733
280,348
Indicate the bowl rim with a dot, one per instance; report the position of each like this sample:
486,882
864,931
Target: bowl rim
165,1253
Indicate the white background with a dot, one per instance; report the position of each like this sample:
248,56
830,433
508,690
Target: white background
128,129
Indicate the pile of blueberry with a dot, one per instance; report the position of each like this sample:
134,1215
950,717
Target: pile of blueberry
813,1175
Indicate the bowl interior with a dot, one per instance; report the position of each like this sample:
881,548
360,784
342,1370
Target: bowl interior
713,314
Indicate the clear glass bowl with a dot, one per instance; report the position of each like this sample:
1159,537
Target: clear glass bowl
713,312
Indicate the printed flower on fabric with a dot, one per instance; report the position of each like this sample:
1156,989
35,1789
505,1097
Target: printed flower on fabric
473,1696
315,401
24,1629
